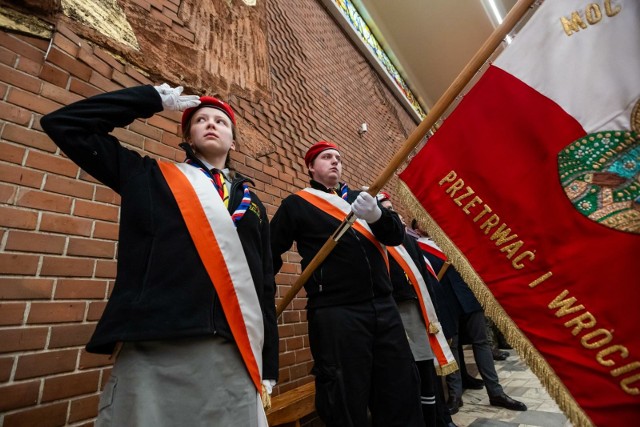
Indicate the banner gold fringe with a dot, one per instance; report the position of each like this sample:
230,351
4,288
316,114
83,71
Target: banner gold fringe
447,369
538,365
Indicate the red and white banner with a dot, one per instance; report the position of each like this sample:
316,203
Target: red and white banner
532,188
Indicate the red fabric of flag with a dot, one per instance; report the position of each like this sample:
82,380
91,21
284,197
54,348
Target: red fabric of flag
497,196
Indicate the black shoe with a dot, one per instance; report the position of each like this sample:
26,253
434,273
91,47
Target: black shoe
454,404
505,401
499,355
503,345
472,383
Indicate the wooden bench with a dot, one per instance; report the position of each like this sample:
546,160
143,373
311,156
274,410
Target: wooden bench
289,407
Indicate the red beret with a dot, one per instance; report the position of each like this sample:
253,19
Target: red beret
316,149
208,101
382,196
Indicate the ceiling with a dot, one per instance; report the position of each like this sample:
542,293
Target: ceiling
430,41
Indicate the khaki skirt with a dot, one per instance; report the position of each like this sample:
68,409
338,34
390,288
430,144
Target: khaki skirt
187,382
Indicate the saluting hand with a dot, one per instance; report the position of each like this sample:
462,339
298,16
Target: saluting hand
366,207
173,100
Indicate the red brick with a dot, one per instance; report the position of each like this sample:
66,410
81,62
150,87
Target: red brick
14,114
184,32
6,365
81,289
83,89
137,75
146,130
106,195
46,363
18,46
8,193
43,200
30,66
123,79
23,241
21,339
70,385
159,16
94,210
58,94
8,57
25,288
19,395
51,163
106,269
71,335
172,141
84,408
109,59
67,267
64,224
160,122
12,313
84,176
95,310
54,75
91,248
159,149
31,102
92,360
66,45
19,79
105,230
28,137
11,153
66,31
68,63
20,175
56,312
96,64
71,187
98,80
18,264
126,136
42,416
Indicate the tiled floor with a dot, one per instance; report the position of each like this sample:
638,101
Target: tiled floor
519,383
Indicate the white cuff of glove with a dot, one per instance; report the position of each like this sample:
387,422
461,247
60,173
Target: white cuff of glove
173,100
268,385
365,207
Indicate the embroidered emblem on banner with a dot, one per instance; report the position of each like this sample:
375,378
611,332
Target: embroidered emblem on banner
600,174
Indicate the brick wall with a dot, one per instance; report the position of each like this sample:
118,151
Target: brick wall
301,81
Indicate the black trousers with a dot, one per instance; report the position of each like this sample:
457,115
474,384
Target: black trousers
362,360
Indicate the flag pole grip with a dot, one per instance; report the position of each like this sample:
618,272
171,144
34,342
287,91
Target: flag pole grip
468,72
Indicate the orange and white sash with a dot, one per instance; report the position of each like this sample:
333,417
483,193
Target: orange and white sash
338,208
445,362
221,252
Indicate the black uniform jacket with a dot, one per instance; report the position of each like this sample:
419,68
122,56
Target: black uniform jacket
354,271
162,290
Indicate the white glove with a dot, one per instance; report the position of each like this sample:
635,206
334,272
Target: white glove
268,385
172,100
366,207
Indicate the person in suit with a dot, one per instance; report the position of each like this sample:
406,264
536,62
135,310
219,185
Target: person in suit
470,321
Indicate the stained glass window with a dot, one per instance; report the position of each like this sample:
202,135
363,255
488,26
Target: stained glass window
362,29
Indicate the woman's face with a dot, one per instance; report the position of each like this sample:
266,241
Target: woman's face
211,132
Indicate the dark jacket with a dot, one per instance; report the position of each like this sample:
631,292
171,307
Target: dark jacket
162,290
354,271
455,286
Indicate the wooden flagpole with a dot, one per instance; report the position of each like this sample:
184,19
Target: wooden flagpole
465,76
